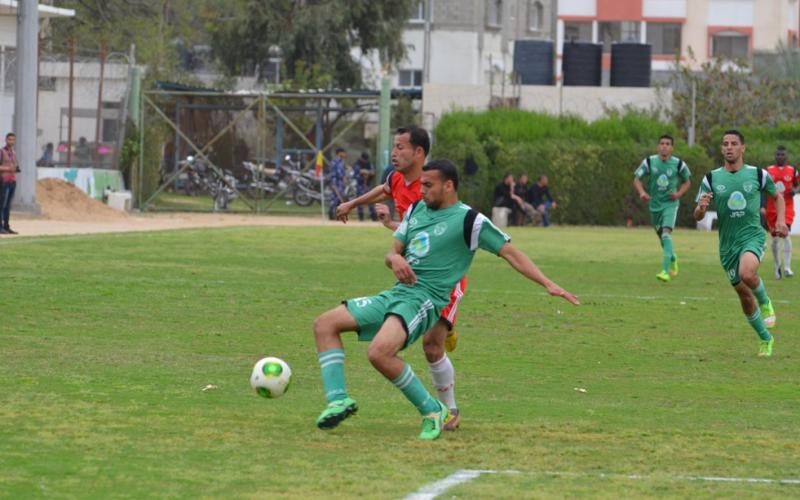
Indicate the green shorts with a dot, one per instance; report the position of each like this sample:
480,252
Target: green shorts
414,307
730,261
664,218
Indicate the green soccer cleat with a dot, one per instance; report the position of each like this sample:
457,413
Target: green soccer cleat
765,348
768,314
336,412
663,276
673,266
433,423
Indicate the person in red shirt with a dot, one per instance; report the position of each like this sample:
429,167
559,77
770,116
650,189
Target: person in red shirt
411,147
786,181
8,169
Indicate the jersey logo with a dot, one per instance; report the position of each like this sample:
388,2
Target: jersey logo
720,188
662,181
412,222
737,201
420,245
787,178
748,187
439,229
669,171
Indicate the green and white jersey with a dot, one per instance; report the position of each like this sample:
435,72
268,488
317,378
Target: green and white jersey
737,198
440,245
663,177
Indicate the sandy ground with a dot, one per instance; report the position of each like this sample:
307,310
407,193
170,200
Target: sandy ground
67,210
27,225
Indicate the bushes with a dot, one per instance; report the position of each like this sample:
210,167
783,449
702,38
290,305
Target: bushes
590,166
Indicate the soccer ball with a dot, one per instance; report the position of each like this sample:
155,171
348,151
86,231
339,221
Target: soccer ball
271,377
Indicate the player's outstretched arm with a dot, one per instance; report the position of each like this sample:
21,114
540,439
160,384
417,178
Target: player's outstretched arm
374,195
525,266
399,265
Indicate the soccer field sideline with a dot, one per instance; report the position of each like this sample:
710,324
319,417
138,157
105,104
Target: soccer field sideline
465,476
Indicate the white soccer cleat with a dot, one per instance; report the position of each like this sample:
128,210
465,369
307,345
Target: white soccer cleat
777,273
788,273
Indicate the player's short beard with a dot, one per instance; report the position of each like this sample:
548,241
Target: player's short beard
433,204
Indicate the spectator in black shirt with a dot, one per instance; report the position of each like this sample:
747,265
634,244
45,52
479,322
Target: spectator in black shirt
542,200
503,192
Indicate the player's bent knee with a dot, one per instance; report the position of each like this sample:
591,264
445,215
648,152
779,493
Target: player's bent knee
379,352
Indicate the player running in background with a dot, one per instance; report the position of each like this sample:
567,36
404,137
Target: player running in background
663,196
736,190
786,180
411,147
432,251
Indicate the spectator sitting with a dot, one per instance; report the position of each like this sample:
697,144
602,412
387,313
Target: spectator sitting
503,193
522,207
542,200
83,153
47,156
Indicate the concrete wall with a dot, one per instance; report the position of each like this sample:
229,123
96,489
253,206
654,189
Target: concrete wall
589,103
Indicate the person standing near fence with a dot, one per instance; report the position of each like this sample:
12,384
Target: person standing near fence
8,169
336,181
364,173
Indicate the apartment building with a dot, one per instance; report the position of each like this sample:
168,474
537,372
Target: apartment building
708,28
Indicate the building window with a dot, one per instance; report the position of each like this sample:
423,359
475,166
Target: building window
665,38
625,31
535,16
730,45
494,14
409,78
418,13
577,32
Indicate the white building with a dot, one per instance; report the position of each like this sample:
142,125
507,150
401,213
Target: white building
464,41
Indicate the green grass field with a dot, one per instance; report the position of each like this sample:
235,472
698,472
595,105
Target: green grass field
106,342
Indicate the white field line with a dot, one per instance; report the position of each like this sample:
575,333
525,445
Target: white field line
461,476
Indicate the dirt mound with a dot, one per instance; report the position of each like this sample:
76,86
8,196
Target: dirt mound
60,200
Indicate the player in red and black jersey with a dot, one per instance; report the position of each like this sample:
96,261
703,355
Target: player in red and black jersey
410,149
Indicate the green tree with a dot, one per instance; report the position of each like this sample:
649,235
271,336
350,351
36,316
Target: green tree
315,37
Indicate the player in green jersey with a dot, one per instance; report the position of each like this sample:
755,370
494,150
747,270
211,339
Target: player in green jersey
433,248
663,194
736,191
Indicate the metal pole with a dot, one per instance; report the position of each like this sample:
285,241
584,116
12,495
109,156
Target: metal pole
99,119
318,146
71,89
384,113
25,104
694,113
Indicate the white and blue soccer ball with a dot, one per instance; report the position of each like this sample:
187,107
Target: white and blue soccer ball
271,377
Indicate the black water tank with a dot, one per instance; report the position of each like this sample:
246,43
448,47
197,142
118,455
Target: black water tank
630,64
533,62
582,64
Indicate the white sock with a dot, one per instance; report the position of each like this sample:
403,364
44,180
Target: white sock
787,252
444,379
776,253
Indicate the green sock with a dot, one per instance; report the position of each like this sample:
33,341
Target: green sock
414,391
761,293
331,362
666,245
758,325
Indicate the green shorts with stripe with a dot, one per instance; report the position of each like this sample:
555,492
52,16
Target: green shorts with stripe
730,261
664,218
413,306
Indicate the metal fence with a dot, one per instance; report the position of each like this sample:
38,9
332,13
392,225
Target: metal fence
248,152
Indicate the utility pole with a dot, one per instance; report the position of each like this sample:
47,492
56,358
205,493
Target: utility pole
25,92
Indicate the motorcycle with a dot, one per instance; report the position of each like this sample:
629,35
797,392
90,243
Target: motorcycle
198,178
279,180
308,189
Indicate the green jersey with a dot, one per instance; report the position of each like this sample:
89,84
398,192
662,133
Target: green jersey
440,245
662,179
737,198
